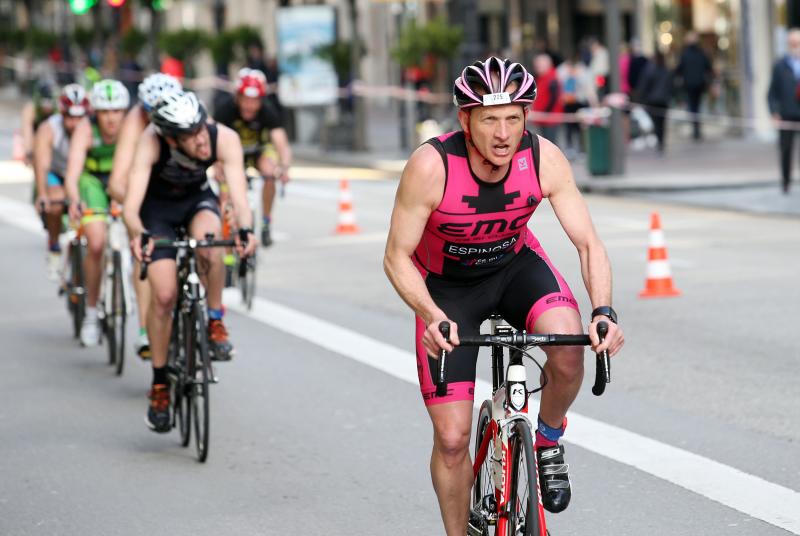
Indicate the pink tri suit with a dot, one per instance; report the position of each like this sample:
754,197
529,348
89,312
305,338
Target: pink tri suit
478,257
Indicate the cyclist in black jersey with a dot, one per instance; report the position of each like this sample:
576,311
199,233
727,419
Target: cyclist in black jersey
167,189
265,143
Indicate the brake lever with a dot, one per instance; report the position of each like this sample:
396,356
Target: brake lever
603,363
441,383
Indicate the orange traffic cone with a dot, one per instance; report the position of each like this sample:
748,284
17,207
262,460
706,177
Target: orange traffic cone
659,276
17,149
347,218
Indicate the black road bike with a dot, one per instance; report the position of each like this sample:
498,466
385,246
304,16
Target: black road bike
189,366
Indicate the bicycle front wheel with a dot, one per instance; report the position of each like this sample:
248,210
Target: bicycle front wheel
182,370
201,377
526,518
247,284
76,294
119,313
483,489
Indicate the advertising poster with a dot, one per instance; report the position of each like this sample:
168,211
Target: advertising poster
305,78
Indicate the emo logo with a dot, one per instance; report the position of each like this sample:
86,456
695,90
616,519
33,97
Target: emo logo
522,163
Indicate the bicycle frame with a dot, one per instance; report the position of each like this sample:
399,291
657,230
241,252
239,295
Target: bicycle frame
502,416
117,241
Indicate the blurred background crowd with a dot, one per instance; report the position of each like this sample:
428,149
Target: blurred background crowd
376,74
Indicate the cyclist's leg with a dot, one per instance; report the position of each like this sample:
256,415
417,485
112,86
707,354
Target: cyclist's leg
142,291
451,468
451,415
161,276
160,218
205,219
536,298
93,195
55,193
266,166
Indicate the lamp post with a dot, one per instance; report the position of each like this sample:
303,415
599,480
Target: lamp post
613,39
359,117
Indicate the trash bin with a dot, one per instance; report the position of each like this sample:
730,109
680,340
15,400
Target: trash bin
598,149
597,138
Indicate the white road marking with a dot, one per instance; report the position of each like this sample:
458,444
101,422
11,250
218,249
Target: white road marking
749,494
731,487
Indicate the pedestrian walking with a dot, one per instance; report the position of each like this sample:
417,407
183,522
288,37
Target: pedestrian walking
694,70
577,92
548,98
654,92
637,64
784,101
599,66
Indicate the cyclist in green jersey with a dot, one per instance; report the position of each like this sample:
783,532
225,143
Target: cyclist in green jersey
91,155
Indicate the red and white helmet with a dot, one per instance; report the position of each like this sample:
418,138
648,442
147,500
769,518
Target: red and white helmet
251,83
485,83
73,101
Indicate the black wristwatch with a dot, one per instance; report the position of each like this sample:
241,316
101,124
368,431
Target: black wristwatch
605,310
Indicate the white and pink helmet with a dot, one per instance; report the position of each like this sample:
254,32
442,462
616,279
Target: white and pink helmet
485,83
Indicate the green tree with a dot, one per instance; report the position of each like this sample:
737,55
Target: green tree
436,38
183,44
39,42
340,56
132,42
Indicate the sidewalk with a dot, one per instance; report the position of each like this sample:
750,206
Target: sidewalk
687,165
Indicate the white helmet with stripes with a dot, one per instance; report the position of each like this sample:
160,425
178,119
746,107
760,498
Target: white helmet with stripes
110,95
178,113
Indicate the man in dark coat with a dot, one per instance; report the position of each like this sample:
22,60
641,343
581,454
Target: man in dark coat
784,101
694,69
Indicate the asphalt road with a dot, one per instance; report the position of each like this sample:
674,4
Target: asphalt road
312,441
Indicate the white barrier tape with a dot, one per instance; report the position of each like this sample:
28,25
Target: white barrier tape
587,116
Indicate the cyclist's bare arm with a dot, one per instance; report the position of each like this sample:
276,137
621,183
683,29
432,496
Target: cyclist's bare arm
79,144
558,185
28,116
281,142
229,154
132,127
419,192
145,156
42,157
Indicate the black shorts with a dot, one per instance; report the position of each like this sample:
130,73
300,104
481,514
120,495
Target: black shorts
520,292
163,217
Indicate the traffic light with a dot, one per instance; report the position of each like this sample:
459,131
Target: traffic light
116,3
159,5
79,7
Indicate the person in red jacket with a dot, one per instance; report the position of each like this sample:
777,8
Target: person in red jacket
548,98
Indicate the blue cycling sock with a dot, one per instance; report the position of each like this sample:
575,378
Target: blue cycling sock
214,314
55,247
266,220
546,435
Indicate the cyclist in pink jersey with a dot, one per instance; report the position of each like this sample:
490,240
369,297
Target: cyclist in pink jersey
459,249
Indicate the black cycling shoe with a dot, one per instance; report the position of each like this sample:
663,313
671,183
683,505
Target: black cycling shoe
158,413
554,478
266,236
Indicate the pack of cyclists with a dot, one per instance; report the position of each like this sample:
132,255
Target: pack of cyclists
97,152
459,247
